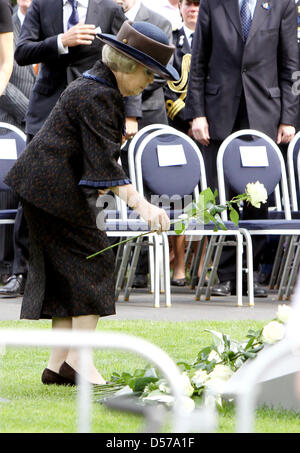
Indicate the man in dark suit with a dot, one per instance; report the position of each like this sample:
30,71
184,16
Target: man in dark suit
182,40
60,36
13,106
241,76
15,99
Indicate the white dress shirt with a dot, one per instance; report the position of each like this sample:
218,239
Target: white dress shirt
132,12
67,11
188,32
252,5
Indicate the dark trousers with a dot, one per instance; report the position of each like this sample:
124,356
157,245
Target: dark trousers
227,265
21,240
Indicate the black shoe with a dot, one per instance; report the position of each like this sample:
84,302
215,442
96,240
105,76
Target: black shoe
223,288
178,282
140,281
49,377
14,287
229,288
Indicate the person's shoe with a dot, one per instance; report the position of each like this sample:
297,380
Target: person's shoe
14,286
223,289
178,282
229,288
49,377
140,281
69,374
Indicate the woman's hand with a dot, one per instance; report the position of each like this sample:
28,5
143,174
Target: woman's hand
157,218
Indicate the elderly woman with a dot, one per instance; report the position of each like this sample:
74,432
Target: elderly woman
77,149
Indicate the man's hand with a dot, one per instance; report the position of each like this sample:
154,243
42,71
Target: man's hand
285,133
80,34
200,130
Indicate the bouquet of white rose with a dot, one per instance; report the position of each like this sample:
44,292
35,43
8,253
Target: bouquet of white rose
210,370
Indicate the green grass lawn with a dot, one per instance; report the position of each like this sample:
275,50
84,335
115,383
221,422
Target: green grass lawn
32,407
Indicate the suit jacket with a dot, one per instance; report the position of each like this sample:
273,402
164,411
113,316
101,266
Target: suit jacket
15,99
182,47
223,66
152,98
38,44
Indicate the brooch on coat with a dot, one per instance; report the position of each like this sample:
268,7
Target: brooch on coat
266,5
181,41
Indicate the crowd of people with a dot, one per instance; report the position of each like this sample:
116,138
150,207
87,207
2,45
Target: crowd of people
232,68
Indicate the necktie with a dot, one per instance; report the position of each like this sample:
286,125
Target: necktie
245,18
74,18
191,39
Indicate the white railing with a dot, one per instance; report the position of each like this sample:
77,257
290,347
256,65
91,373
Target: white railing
85,341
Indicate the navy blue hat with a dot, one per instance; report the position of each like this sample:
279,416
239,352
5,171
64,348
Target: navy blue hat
146,44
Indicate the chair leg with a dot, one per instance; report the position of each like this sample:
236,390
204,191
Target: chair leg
287,267
122,270
249,270
239,270
283,260
277,261
293,274
166,269
206,262
218,246
133,265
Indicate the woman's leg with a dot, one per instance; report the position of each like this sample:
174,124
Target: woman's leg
179,257
89,323
59,355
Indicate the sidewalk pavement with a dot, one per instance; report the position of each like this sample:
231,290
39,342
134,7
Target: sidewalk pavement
184,307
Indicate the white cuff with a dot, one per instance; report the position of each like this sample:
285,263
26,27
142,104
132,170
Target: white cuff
61,49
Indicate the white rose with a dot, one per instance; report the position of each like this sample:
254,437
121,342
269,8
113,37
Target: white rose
257,193
215,385
164,388
284,312
273,332
183,216
223,372
199,378
187,386
188,404
213,355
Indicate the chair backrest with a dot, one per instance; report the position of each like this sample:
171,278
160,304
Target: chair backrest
12,144
249,156
293,167
169,163
135,142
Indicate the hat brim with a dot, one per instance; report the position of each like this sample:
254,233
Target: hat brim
167,72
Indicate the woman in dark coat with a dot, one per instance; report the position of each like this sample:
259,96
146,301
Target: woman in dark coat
77,149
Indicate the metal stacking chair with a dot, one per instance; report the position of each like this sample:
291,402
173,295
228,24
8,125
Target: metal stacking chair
12,144
271,173
288,253
178,180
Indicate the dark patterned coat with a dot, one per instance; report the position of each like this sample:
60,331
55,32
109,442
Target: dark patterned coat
77,148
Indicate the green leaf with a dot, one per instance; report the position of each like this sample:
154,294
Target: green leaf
234,216
179,227
140,383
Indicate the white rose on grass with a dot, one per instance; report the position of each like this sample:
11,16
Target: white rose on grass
213,355
222,372
257,193
187,386
199,378
284,312
273,332
188,404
